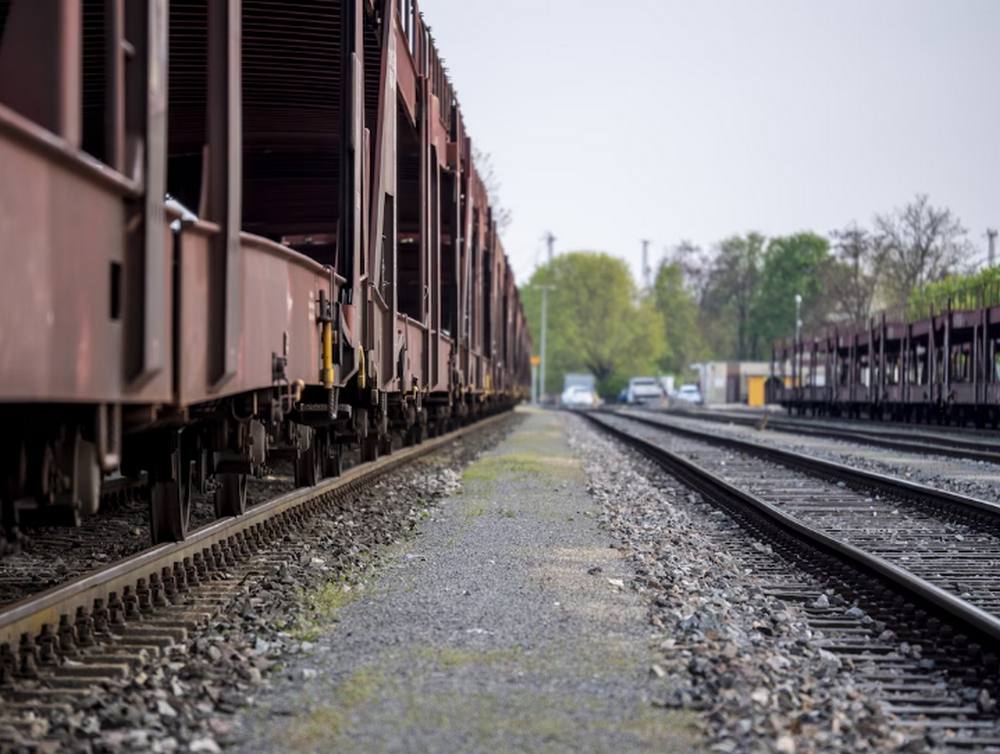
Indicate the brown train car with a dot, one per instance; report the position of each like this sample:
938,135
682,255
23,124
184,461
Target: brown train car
941,368
231,232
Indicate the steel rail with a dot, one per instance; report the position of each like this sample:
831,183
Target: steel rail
830,469
27,616
914,442
711,485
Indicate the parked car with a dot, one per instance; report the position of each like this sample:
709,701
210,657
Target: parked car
689,394
579,396
644,390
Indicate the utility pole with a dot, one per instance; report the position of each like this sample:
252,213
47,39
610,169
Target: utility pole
991,236
550,241
645,265
545,314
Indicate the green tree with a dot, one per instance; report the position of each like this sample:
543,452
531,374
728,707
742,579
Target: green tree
596,323
793,265
731,287
956,291
678,311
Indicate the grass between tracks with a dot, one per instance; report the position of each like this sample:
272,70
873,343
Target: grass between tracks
322,604
491,720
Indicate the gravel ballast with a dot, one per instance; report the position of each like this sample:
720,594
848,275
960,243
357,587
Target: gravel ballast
511,625
749,661
506,626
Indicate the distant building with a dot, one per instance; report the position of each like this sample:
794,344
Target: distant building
733,381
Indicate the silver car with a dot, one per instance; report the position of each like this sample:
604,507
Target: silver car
643,390
689,394
579,396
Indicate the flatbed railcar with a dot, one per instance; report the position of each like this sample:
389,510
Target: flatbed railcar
941,368
233,231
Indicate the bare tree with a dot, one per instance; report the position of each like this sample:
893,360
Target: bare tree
488,175
693,262
920,244
853,274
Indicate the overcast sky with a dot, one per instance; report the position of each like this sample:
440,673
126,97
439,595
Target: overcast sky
609,122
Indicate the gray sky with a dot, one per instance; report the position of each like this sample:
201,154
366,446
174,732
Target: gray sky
609,122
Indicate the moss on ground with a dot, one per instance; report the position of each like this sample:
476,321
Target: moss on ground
495,724
322,606
447,658
491,468
318,728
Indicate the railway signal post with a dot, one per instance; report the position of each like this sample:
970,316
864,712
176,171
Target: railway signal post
535,361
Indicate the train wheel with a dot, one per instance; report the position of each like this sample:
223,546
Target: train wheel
170,502
201,471
306,474
10,535
370,448
334,463
319,453
231,495
88,476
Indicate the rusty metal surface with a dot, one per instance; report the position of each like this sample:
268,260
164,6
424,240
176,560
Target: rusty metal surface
146,297
61,227
280,289
40,63
225,182
291,134
414,369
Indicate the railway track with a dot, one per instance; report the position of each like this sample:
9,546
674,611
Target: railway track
970,445
924,571
94,629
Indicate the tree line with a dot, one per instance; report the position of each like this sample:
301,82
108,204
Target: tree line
732,301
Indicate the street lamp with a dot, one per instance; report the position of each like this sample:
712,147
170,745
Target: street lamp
797,362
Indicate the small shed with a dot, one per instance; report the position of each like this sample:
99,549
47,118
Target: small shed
734,382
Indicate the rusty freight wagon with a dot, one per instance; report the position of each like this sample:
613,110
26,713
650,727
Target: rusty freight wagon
944,367
231,232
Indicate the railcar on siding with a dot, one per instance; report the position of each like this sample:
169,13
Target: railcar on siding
941,368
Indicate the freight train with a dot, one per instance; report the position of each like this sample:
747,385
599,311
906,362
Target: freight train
944,367
233,231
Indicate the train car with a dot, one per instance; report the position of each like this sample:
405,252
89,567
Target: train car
941,368
233,232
